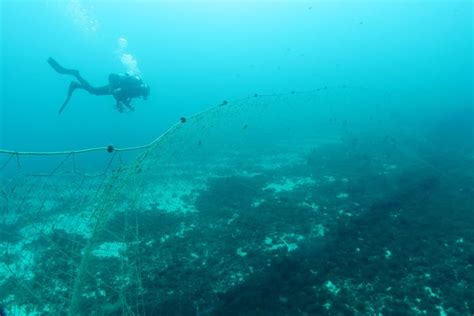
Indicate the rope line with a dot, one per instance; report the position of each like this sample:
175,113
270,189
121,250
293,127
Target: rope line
95,149
111,149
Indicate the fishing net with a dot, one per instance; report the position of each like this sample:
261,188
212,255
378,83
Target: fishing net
174,226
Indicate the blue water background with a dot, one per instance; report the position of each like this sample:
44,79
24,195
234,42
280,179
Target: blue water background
196,54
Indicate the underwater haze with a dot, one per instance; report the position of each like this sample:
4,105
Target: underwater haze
194,54
291,158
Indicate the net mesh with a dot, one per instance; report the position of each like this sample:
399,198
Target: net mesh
196,213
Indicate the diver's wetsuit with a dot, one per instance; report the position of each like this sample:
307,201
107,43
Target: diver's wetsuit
123,87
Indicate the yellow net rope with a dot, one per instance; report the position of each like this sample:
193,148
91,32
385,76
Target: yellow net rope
198,211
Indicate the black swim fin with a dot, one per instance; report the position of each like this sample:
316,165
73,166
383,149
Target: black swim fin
73,86
60,69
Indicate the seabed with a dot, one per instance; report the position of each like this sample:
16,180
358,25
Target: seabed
330,226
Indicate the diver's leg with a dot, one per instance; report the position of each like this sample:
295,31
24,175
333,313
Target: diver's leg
73,86
104,90
84,84
60,69
65,71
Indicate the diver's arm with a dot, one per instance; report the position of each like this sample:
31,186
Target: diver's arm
128,105
126,102
119,106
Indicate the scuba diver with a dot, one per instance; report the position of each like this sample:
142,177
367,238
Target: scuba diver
123,87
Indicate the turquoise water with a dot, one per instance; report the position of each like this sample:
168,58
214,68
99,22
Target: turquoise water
318,159
195,54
